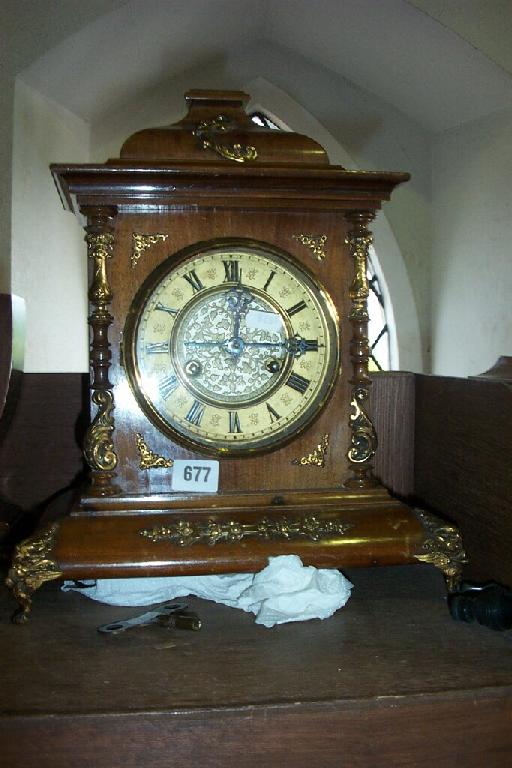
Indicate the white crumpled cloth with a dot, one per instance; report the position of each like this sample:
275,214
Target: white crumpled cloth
285,590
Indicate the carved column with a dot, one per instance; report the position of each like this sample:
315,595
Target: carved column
363,441
99,449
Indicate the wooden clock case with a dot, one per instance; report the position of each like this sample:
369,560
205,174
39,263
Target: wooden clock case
212,176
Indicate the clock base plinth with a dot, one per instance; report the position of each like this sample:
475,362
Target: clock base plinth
167,536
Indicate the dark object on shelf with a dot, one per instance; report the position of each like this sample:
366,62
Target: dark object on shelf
500,371
489,604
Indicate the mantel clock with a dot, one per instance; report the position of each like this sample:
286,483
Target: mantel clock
229,362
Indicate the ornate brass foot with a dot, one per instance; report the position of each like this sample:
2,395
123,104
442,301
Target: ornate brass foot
32,565
442,548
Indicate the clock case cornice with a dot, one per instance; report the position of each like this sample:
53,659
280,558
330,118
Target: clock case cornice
146,186
216,156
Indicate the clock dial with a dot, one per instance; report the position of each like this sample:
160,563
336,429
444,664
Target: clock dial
232,349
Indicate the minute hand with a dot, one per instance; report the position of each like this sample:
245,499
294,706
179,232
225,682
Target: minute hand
291,345
212,343
295,346
195,344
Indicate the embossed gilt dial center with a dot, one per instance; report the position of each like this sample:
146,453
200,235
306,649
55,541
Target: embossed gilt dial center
233,348
221,350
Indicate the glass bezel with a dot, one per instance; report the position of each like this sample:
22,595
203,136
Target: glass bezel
278,436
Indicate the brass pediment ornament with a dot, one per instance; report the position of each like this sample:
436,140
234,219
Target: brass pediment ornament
207,132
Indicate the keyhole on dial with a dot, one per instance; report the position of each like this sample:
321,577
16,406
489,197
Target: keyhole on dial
193,368
273,366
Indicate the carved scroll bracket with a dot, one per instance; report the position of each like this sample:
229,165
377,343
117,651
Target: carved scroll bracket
363,437
363,440
99,449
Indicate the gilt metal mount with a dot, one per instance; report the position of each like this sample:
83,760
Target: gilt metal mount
185,533
317,457
148,458
141,242
443,548
207,132
32,565
316,243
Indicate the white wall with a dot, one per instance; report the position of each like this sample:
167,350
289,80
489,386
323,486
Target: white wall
27,30
48,253
6,107
472,246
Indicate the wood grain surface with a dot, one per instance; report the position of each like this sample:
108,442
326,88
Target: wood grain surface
390,680
463,460
392,409
269,471
461,453
40,437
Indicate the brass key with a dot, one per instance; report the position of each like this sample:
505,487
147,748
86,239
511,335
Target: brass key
170,615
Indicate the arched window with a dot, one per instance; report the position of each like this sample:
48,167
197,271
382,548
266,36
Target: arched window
378,326
263,121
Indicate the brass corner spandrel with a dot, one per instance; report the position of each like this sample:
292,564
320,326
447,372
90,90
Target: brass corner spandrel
141,242
148,458
317,457
316,243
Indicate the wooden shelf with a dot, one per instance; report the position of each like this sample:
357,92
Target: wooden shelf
390,680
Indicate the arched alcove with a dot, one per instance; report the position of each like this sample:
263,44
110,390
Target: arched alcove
49,265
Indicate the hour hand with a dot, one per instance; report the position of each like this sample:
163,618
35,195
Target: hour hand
238,300
233,346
